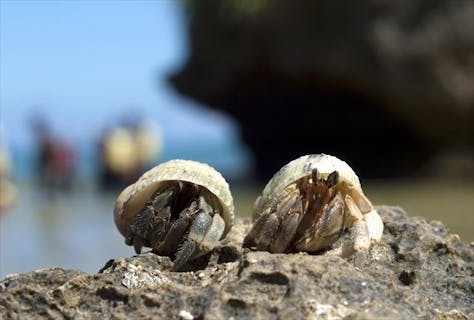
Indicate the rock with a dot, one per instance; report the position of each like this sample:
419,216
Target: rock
418,270
392,77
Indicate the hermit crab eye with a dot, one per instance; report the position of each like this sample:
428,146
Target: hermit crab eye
180,209
332,179
314,174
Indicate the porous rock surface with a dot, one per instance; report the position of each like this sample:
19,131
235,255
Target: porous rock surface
418,271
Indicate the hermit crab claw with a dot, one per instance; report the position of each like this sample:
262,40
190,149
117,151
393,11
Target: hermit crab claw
180,209
309,204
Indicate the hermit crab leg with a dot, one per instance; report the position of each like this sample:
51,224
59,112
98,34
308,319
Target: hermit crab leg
204,233
140,229
268,232
361,232
161,222
331,223
328,228
206,229
179,227
374,225
216,230
199,226
372,219
251,238
288,226
358,235
275,229
213,234
324,220
151,223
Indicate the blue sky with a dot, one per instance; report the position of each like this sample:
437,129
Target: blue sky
87,64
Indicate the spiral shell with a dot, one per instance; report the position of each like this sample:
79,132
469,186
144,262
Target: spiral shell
133,198
302,167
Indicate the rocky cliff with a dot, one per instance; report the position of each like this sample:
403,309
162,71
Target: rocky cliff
324,76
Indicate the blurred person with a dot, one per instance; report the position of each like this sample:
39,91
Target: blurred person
127,151
44,143
63,165
8,190
120,159
56,159
106,176
148,144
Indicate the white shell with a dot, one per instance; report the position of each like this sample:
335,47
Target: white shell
133,198
299,168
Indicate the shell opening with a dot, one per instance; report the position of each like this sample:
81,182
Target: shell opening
308,214
164,222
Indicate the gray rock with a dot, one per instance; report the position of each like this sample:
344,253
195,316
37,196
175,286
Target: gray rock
299,76
418,270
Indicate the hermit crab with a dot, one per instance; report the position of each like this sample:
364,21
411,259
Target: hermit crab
309,204
180,209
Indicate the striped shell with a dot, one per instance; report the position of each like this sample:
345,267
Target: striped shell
302,167
133,198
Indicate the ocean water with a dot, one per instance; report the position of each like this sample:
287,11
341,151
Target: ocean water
229,156
70,230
